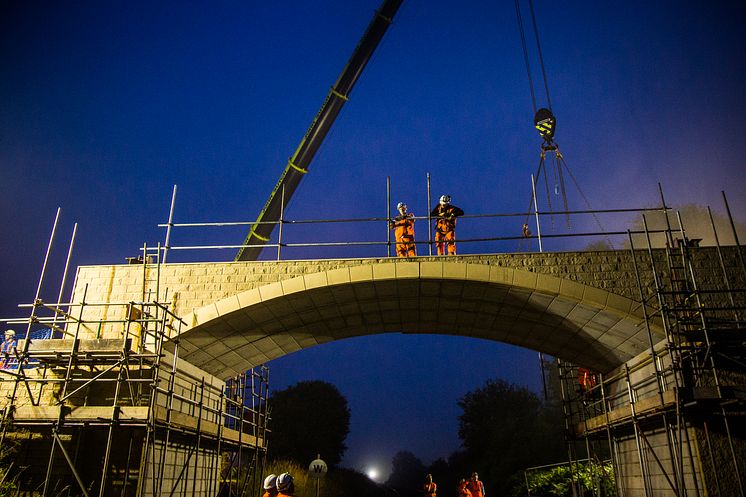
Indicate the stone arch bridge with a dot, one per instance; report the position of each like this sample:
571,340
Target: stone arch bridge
583,307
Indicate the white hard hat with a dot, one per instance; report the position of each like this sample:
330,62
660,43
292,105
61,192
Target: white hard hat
10,333
270,481
284,481
400,205
445,199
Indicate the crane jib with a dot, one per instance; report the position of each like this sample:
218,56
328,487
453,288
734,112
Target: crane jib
298,165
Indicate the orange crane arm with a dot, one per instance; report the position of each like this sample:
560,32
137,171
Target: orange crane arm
298,165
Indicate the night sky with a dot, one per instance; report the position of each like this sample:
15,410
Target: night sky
104,106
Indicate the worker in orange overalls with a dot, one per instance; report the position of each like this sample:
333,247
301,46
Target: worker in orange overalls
586,379
404,226
429,488
445,225
270,486
476,487
463,489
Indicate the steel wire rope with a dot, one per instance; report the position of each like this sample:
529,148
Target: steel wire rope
525,53
542,163
541,56
559,159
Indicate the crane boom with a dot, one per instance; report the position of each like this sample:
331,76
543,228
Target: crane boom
298,164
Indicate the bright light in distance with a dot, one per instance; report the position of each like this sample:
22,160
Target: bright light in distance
372,474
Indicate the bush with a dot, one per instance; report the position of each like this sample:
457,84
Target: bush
593,478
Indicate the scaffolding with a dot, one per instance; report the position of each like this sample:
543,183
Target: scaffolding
106,407
108,377
675,413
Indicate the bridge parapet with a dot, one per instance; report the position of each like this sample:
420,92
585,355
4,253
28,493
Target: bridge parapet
191,286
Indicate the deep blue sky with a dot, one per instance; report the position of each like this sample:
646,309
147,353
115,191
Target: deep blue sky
104,106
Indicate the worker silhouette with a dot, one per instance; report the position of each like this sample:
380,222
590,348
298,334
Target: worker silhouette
270,486
476,487
6,349
445,225
403,224
285,485
429,488
463,489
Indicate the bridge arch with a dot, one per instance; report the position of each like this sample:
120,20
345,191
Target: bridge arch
582,324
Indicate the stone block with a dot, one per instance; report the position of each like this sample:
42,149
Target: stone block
429,269
315,280
595,297
407,269
501,275
249,297
453,270
361,273
525,279
338,276
271,291
478,272
571,289
205,314
384,271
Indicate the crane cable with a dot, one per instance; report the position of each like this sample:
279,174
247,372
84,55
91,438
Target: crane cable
559,160
525,54
548,134
539,52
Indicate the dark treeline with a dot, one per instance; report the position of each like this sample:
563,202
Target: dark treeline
504,429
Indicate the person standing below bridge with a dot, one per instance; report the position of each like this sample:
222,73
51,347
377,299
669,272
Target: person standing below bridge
445,225
404,226
270,486
285,485
476,487
429,488
463,489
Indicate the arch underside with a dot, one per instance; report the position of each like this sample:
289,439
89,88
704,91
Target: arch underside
257,326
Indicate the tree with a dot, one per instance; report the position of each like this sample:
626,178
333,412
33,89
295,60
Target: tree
309,418
408,472
505,428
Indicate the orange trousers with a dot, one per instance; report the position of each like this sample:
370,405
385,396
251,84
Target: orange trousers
405,246
445,239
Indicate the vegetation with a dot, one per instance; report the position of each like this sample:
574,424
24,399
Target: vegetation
505,428
309,418
8,482
337,482
593,479
407,474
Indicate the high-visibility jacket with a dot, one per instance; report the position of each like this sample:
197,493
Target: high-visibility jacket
446,217
476,487
430,489
463,490
404,226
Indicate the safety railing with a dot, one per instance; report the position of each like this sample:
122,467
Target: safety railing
473,238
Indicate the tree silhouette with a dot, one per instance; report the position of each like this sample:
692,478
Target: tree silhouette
505,428
408,472
309,418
